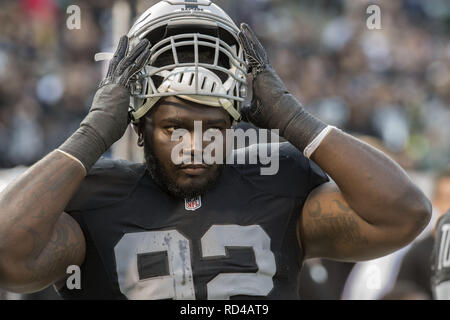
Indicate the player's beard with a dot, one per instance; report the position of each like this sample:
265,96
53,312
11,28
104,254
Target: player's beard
165,182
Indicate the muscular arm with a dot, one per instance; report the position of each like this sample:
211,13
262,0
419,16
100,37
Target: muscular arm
375,209
372,210
37,240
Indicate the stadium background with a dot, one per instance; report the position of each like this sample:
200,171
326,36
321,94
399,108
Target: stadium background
390,87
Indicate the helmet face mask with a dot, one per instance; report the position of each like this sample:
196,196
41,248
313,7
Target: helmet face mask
196,55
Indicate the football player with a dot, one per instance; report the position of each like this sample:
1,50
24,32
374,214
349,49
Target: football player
440,265
198,231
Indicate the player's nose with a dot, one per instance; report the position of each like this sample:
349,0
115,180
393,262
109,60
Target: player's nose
196,147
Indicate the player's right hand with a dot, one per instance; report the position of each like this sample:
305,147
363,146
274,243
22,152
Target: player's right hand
107,119
122,66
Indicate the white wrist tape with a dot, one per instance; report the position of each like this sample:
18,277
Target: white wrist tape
73,158
310,148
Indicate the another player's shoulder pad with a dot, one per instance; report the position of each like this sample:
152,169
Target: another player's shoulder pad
108,182
279,169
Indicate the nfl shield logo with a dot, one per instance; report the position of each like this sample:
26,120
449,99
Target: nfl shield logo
193,204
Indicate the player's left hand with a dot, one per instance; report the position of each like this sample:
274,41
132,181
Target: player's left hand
273,107
254,51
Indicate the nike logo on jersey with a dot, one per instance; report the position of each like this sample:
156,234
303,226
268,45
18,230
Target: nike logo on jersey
193,204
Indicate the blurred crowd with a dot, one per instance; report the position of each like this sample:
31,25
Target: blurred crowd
390,84
47,74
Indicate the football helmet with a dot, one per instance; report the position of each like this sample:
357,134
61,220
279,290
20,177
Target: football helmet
180,33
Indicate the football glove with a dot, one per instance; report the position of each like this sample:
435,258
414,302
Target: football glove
272,106
108,119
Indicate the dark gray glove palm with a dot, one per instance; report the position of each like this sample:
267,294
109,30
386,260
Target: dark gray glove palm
123,67
273,107
254,51
107,119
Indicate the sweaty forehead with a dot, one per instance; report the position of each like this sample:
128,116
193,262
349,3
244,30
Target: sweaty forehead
187,111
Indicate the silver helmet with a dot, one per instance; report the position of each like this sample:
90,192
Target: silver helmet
181,32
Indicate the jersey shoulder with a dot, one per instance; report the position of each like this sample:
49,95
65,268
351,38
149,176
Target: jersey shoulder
108,182
291,174
440,266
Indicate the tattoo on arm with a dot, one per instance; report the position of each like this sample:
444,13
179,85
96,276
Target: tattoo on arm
336,226
63,249
32,230
315,211
329,227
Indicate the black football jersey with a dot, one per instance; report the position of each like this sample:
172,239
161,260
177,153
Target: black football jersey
238,241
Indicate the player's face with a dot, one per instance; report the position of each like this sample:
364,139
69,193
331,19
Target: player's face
172,113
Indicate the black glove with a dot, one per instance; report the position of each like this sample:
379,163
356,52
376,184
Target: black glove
107,119
273,107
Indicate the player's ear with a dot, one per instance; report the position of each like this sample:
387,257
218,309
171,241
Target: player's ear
140,141
140,129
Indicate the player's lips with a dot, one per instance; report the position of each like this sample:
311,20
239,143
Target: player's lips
194,169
